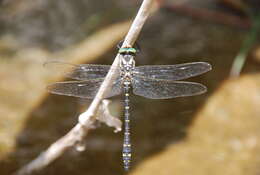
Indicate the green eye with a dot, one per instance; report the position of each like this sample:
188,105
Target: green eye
122,50
132,50
127,50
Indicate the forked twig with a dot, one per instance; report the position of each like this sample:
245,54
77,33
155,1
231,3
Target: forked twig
87,119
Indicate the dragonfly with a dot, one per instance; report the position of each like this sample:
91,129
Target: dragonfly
149,81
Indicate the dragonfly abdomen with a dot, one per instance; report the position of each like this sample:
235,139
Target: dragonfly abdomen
126,153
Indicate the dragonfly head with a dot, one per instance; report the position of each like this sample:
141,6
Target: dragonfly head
127,61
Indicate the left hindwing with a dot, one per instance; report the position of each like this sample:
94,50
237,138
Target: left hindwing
165,89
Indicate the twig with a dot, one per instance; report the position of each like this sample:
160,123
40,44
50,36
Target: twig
88,118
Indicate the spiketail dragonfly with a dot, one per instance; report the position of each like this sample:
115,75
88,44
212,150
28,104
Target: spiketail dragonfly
149,81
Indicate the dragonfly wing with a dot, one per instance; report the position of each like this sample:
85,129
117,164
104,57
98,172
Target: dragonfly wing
165,89
172,72
78,72
83,89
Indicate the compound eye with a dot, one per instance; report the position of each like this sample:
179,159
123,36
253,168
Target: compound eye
136,46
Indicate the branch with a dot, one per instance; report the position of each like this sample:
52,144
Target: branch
88,118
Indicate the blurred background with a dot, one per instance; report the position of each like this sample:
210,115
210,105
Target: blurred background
215,133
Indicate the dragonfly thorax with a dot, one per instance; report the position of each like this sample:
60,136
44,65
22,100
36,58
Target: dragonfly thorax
127,62
127,65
